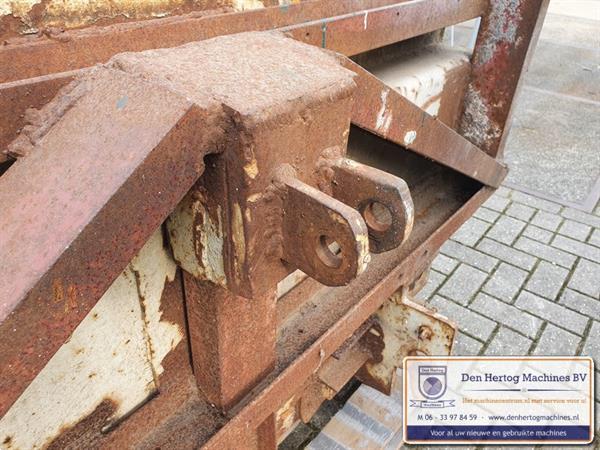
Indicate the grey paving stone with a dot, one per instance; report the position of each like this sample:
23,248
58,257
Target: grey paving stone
468,321
506,230
462,285
552,312
586,278
505,282
576,247
580,216
595,238
508,254
520,211
558,67
592,345
545,252
556,342
503,191
552,147
465,345
468,255
508,343
575,230
547,220
547,279
507,315
434,281
444,264
538,234
486,214
471,231
535,202
579,302
497,203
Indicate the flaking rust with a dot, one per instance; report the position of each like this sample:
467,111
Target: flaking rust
405,328
226,353
202,257
506,34
114,358
52,17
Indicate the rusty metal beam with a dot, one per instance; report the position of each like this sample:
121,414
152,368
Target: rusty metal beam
333,21
18,96
507,36
68,232
386,113
108,191
278,391
222,328
369,28
43,65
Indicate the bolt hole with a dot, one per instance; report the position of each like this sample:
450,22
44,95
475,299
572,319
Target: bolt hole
377,216
329,252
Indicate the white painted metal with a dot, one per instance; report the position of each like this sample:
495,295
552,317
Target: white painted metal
114,354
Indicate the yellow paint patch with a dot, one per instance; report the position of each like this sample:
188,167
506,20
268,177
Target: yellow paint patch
244,5
239,241
251,168
18,8
254,198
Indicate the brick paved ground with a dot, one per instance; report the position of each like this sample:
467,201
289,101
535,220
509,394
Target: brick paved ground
522,277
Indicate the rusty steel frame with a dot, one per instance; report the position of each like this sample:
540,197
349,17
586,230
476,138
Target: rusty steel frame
325,23
332,25
277,392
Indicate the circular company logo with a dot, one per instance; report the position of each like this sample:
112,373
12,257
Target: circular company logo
432,381
432,386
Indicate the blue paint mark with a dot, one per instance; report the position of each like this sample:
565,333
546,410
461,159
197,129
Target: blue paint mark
324,34
284,7
122,102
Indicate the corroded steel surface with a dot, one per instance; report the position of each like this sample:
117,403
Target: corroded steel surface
97,229
405,329
52,17
383,111
313,22
246,353
363,304
75,49
55,274
507,34
383,199
232,340
20,96
312,221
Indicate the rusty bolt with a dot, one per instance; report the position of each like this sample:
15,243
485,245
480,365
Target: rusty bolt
425,333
